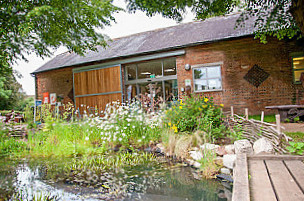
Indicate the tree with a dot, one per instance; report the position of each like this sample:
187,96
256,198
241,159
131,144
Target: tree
11,93
279,18
37,26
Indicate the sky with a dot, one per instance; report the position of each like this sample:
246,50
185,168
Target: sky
126,24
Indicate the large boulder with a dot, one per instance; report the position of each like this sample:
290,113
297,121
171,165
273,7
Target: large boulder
230,149
196,155
243,146
263,145
229,160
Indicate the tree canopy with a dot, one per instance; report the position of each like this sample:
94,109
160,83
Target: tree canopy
279,18
36,26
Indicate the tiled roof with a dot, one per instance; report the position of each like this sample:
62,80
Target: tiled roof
198,32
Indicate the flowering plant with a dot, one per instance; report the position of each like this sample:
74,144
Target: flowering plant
195,113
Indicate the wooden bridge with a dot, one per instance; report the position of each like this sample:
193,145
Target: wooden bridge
268,177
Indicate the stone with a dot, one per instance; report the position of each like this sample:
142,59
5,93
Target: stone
196,155
219,161
229,160
196,164
209,146
263,145
230,149
225,171
220,151
161,148
243,146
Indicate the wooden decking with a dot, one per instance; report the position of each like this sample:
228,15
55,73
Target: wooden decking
268,178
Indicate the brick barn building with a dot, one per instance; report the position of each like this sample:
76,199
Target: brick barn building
210,57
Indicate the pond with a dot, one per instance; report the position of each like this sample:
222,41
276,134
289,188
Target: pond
154,181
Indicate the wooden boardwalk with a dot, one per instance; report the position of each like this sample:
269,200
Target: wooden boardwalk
269,178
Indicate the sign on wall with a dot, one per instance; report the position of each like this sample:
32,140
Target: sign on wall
53,98
46,98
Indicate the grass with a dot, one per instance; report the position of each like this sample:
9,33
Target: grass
296,136
267,118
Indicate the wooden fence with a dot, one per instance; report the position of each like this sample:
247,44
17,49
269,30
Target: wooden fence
253,130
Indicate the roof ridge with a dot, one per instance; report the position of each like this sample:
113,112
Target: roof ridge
181,24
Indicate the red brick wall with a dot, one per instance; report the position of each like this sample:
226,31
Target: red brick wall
56,81
274,58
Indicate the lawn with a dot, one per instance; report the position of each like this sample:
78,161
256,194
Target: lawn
267,118
296,136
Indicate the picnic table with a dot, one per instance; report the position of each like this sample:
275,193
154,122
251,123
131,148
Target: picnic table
289,111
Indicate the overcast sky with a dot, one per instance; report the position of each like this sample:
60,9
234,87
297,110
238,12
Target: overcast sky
126,24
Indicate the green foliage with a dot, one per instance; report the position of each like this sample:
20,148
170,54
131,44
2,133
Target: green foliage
11,145
11,94
196,113
273,18
267,118
296,136
35,26
296,148
208,165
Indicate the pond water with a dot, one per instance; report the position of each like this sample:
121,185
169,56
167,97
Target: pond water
155,181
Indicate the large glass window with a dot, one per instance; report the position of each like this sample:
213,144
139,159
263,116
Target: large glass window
298,68
207,78
156,78
152,69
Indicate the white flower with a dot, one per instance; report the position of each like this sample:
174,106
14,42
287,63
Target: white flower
139,140
123,134
143,137
120,139
86,138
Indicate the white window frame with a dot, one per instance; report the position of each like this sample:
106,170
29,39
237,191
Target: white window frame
217,64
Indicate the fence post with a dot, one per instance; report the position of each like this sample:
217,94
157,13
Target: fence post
232,114
246,113
262,116
278,122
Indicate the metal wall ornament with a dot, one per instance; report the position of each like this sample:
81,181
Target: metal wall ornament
256,76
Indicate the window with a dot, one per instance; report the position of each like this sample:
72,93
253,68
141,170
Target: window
160,73
207,78
298,68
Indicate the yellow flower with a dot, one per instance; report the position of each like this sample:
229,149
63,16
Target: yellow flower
174,128
222,105
169,123
181,102
199,109
204,106
206,100
180,107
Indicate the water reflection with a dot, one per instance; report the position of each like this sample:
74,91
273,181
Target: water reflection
149,182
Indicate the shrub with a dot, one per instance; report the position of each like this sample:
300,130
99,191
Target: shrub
196,113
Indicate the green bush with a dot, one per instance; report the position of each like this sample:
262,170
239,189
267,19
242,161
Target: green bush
196,113
11,145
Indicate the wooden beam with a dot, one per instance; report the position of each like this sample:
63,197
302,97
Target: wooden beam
240,177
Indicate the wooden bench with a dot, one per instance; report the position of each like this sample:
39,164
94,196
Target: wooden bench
289,111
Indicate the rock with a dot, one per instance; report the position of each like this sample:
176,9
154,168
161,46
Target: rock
209,146
224,177
161,148
229,160
196,155
221,151
225,171
243,146
230,149
196,164
219,161
263,145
